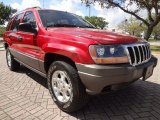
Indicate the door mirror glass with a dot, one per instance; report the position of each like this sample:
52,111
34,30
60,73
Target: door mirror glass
27,27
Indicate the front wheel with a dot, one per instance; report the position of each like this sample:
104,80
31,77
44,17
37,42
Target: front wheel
65,87
13,65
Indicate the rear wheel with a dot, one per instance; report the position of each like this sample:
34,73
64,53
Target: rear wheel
65,87
13,65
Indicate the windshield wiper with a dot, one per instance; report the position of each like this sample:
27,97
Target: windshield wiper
89,27
68,25
61,25
86,27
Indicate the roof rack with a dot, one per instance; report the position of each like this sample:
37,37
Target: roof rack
33,7
26,9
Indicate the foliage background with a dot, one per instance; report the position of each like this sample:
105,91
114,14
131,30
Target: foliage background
2,30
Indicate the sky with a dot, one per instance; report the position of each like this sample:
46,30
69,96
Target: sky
113,16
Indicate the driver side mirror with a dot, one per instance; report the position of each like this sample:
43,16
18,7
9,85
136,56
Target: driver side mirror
27,27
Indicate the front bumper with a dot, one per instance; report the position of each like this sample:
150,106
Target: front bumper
97,77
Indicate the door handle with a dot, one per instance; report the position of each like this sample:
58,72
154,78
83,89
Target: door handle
19,38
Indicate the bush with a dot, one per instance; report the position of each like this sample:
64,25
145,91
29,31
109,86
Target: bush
2,30
155,48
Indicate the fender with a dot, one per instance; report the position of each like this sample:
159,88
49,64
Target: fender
78,54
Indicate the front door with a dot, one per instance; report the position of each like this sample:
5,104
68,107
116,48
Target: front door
27,51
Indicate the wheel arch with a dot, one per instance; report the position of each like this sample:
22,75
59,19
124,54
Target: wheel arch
49,58
5,45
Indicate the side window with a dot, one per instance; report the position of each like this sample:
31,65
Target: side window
9,24
29,18
16,22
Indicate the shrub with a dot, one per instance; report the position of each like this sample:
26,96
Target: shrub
2,30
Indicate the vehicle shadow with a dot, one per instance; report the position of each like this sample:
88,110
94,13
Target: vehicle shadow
36,77
141,100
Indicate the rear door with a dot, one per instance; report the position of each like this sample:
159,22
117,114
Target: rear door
12,29
7,32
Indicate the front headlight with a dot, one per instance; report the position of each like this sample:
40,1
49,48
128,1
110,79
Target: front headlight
108,54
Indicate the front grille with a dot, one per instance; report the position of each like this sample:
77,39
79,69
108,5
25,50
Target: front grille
138,53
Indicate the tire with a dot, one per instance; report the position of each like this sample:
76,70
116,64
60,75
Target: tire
12,64
71,87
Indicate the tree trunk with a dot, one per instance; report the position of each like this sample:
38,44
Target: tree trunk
133,32
148,32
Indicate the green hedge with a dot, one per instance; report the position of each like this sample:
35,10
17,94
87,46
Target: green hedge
155,48
2,30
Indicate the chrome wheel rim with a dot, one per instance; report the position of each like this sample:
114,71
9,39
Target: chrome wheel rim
62,86
9,58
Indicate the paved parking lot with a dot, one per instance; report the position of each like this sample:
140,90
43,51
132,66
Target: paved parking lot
156,43
1,44
24,95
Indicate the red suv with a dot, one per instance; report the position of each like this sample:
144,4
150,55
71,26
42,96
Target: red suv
76,58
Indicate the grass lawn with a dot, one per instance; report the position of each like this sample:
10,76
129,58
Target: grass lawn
155,48
151,39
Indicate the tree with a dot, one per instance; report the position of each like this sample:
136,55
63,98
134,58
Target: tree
2,30
5,13
98,22
156,32
132,26
135,7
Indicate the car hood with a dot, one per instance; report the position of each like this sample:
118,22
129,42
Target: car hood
101,36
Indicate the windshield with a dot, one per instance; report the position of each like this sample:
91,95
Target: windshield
53,18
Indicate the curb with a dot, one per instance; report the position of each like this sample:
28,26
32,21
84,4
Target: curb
1,39
1,46
2,49
156,53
